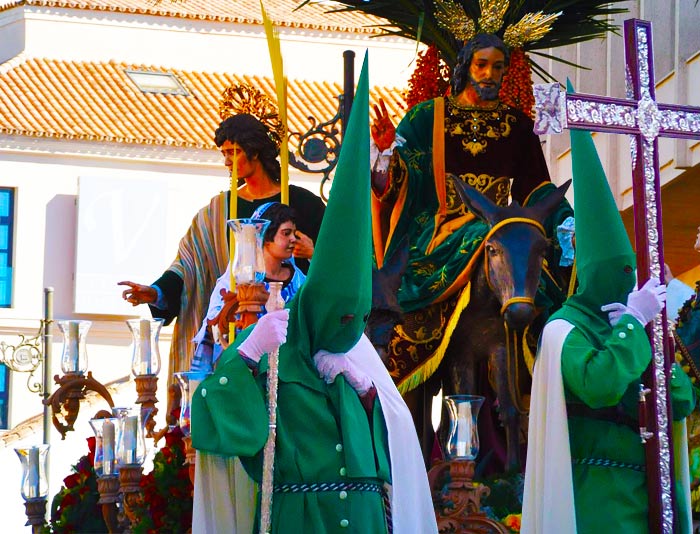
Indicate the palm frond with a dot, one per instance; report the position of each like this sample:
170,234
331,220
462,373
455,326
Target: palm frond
581,20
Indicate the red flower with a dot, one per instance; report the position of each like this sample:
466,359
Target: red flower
173,437
69,500
71,481
429,79
92,443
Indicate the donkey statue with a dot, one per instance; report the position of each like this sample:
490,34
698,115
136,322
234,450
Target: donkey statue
490,334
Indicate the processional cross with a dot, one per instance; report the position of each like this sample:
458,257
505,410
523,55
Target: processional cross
644,120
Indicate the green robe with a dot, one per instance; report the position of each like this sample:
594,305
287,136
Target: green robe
323,436
612,498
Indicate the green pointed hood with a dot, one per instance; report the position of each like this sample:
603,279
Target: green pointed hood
605,260
330,310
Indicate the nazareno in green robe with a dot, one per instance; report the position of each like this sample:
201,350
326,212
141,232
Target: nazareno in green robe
601,378
324,435
605,452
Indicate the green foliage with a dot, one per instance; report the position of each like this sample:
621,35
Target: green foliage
506,495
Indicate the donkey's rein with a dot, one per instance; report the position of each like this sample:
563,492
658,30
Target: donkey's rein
493,230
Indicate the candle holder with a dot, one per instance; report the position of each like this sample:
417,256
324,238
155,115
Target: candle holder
145,366
131,452
456,498
248,260
251,304
188,381
132,498
108,487
35,486
73,385
463,438
249,269
106,467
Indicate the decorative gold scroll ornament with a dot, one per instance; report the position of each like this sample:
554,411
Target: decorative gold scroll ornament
243,98
531,27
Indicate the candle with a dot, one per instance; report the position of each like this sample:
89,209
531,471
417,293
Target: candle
145,344
130,430
108,447
248,254
464,429
33,473
74,345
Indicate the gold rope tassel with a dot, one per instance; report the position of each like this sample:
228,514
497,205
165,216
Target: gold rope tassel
513,361
572,280
528,356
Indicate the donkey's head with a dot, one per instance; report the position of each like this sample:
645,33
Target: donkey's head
514,249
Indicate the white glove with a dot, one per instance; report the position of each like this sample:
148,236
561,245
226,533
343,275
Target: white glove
615,310
268,334
643,304
330,365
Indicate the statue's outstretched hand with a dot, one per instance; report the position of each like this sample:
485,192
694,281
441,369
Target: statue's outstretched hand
383,130
138,293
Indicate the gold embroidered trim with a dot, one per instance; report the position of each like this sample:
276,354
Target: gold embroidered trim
497,188
478,125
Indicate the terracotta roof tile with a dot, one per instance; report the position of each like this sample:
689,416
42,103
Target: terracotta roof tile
282,12
99,102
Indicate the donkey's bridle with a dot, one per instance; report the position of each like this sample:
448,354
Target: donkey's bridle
493,230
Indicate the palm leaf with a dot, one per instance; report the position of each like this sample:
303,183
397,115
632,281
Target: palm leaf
581,20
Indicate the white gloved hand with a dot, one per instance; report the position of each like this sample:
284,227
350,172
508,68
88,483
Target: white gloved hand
645,303
330,365
615,310
268,334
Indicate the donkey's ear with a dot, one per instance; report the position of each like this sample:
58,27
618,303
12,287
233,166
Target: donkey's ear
395,265
479,204
545,207
387,280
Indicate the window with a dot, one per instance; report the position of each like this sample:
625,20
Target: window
164,83
7,208
4,395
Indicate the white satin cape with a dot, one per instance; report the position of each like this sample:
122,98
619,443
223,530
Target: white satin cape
224,496
548,498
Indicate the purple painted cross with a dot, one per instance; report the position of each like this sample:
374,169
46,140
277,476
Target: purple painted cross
644,120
